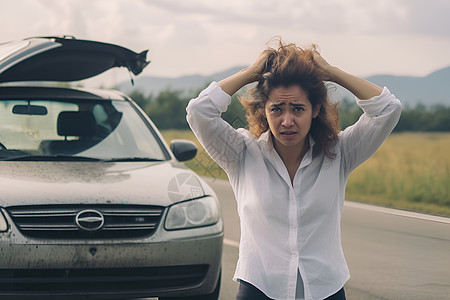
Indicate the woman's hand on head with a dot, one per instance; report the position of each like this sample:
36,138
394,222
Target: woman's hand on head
323,66
260,65
359,87
232,84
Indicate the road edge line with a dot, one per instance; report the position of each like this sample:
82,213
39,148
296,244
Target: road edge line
397,212
231,243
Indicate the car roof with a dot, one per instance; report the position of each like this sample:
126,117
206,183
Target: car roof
55,93
64,59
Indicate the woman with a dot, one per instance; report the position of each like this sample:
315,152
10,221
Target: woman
289,170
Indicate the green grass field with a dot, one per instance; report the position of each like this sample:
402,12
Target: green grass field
410,171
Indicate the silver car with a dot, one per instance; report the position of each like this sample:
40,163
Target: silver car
93,202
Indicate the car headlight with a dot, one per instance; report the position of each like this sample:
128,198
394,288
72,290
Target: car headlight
195,213
3,223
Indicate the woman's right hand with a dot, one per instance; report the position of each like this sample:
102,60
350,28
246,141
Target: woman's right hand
260,65
248,75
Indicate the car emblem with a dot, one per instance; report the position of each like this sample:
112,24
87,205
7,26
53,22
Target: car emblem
90,220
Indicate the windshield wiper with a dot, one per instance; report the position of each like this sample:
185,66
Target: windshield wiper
73,158
49,158
124,159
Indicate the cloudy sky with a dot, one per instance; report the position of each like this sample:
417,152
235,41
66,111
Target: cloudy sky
401,37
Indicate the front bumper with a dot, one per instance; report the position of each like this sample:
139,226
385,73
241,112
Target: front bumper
179,263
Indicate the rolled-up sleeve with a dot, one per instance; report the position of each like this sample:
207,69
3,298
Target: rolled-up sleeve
222,142
361,140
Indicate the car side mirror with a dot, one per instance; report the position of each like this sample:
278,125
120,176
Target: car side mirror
183,149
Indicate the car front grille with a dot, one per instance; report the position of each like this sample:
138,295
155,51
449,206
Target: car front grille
145,280
94,222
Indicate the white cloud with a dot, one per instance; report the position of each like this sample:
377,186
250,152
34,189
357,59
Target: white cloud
201,36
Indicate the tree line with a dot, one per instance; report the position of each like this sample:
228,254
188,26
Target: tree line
168,111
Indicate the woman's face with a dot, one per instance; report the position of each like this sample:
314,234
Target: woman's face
289,115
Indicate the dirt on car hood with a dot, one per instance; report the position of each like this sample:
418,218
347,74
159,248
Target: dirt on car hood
144,183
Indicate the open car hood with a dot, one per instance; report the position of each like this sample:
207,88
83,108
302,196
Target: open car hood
64,59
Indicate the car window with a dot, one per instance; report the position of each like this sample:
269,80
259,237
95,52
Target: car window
104,130
25,132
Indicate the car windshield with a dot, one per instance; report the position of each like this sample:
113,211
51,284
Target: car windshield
70,130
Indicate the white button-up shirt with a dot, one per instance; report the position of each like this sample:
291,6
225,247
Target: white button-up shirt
289,228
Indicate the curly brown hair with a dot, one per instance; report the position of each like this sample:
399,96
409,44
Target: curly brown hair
286,66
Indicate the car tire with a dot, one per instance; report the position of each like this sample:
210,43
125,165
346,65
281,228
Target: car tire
213,296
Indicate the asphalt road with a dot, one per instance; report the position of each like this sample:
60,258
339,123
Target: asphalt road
391,254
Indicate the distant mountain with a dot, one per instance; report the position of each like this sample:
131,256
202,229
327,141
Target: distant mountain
429,90
192,83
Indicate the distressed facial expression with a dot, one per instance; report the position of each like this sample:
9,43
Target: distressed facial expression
289,114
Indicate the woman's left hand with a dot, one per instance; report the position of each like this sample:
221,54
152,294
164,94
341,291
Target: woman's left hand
359,87
323,66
